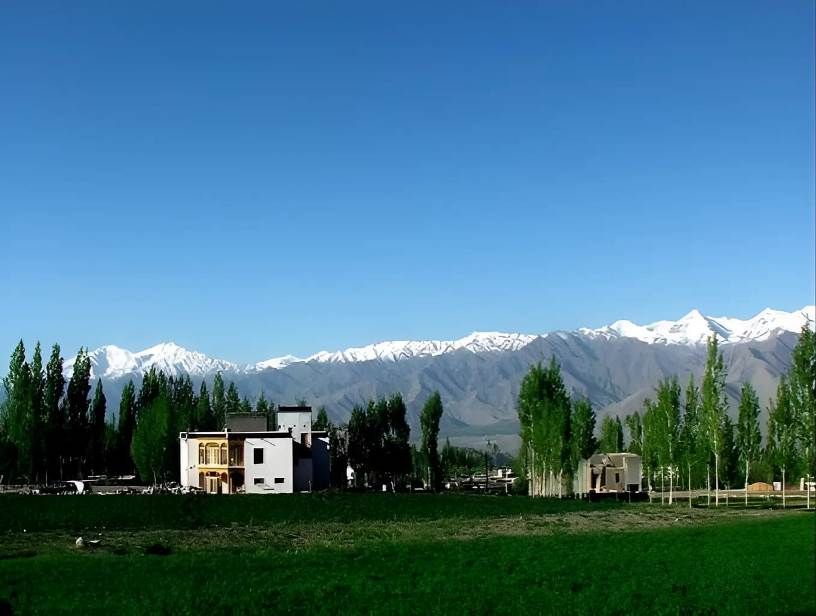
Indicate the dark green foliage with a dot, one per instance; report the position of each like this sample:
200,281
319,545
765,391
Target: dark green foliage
204,417
544,414
635,427
429,421
378,449
692,450
184,401
782,433
232,401
611,435
246,406
321,423
802,396
150,441
127,425
749,439
18,414
713,405
76,404
56,421
97,432
219,403
583,431
461,461
338,456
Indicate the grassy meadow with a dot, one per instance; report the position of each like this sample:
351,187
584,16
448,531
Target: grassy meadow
380,553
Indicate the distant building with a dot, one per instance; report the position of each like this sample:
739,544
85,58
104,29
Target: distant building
248,456
608,473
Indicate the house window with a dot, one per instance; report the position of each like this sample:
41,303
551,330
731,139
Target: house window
278,479
224,454
202,454
257,455
617,478
212,454
259,481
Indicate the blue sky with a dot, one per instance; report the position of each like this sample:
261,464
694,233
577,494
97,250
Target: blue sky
257,179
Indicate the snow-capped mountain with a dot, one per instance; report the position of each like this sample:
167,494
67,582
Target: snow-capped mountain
112,362
477,342
693,329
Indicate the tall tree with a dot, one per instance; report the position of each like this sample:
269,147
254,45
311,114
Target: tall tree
55,439
204,415
583,431
127,425
690,432
150,441
544,414
635,427
18,411
38,417
76,401
358,449
219,403
321,423
667,408
261,405
396,448
97,429
782,436
802,393
611,435
429,422
748,434
338,456
713,407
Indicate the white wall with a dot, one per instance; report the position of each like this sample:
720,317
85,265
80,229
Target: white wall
188,458
299,422
277,463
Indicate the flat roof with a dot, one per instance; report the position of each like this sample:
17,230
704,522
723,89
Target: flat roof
294,409
228,433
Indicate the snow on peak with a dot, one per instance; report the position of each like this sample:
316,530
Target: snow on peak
695,328
395,350
112,362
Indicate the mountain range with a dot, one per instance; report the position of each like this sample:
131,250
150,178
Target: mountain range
616,367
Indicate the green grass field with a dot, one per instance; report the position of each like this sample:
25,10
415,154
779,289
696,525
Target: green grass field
375,553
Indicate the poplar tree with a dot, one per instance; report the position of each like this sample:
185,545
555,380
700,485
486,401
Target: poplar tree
149,447
634,425
55,439
261,405
429,422
232,400
127,425
690,431
748,435
712,408
76,401
18,411
38,415
667,410
219,405
611,435
583,431
321,422
802,395
204,417
96,437
782,435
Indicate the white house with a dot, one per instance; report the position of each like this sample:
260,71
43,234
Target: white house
249,457
612,473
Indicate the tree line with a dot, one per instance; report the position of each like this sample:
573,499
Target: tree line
53,429
684,436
